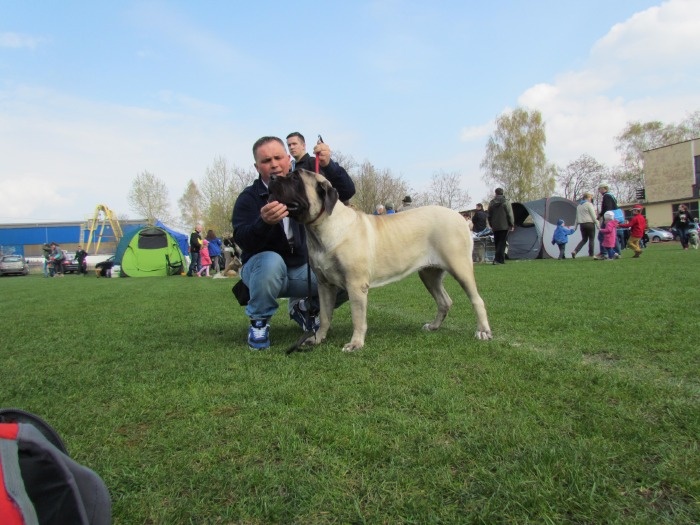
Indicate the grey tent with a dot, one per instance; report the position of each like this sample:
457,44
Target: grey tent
535,222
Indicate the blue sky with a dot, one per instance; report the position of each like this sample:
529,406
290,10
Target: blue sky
94,93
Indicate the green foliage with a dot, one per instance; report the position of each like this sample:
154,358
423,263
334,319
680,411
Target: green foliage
515,158
583,409
148,197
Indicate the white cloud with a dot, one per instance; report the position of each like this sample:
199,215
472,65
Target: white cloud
641,70
74,154
476,132
18,41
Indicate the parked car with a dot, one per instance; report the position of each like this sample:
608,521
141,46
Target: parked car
658,235
70,263
670,230
13,264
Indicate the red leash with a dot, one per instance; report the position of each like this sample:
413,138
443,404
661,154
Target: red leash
320,141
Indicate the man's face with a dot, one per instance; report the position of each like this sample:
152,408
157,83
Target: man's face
296,147
271,159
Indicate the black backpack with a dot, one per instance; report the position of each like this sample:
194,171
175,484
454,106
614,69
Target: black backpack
40,483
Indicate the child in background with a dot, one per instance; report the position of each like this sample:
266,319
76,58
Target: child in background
204,258
609,234
637,225
561,237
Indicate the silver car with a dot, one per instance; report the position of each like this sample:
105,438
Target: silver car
13,264
657,235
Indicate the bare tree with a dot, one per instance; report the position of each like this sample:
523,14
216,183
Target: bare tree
221,186
191,205
515,159
445,191
374,187
580,175
149,198
346,161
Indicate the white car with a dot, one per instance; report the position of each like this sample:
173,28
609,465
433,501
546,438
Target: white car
13,264
658,235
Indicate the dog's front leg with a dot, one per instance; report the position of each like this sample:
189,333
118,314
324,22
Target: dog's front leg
358,309
326,298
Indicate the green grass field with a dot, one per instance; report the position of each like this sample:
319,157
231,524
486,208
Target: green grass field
583,409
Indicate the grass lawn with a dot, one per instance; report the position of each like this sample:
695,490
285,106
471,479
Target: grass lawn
585,408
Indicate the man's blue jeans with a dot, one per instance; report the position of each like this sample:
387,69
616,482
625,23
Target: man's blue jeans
194,263
268,278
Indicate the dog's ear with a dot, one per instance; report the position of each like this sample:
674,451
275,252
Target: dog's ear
328,194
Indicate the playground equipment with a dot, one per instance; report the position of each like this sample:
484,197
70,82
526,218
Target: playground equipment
97,230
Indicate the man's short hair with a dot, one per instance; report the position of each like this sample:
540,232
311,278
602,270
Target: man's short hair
264,140
297,134
603,186
479,206
499,191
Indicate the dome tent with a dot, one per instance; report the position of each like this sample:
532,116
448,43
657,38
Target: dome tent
535,222
149,252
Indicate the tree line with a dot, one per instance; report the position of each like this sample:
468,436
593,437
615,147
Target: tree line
514,160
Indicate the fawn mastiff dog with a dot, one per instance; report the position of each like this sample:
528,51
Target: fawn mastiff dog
354,251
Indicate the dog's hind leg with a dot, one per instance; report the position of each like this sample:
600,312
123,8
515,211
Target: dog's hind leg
464,274
432,279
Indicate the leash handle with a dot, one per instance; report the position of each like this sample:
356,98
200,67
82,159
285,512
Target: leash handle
318,168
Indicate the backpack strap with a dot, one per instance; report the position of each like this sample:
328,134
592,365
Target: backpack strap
15,506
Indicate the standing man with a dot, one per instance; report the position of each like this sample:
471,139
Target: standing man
274,246
195,246
81,255
479,218
501,220
297,149
406,203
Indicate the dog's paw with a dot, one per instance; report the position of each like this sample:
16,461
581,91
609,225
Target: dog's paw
483,335
430,327
352,347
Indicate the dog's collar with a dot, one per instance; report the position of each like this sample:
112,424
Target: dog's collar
323,208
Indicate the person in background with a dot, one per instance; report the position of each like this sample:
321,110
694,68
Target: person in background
81,256
586,221
500,217
204,259
406,203
195,246
380,210
57,258
479,218
389,206
609,234
215,247
46,250
301,160
683,222
608,203
637,225
561,237
274,245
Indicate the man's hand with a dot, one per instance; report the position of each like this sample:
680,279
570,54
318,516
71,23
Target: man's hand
323,152
273,212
